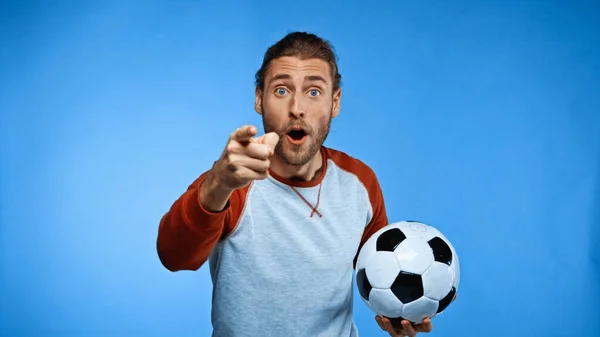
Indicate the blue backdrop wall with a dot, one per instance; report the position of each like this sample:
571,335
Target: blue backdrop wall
480,118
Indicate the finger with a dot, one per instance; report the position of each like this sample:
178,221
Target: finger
408,328
254,164
379,322
252,150
390,328
426,326
244,133
270,139
246,174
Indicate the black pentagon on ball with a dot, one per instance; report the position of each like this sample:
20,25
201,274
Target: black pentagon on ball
389,240
363,284
441,250
407,287
445,302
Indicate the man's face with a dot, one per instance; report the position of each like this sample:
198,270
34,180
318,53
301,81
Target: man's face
298,103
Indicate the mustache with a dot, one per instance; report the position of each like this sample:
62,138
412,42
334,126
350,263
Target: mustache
297,124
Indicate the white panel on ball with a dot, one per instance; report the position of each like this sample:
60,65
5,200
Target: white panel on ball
382,269
437,281
413,256
384,303
418,310
413,229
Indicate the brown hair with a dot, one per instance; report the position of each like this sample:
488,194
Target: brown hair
303,45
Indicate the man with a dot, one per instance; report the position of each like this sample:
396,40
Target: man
280,217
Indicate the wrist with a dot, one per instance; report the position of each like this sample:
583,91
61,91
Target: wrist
213,196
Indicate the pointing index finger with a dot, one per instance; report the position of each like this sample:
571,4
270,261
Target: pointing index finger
244,134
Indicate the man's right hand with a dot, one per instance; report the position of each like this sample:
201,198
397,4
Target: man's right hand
244,159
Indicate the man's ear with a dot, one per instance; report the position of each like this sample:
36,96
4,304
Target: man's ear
337,97
258,101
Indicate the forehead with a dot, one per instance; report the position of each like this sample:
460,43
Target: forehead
298,69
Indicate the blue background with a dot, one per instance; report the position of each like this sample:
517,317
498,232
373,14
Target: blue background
480,118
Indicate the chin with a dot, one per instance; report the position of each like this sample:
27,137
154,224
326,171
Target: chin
295,157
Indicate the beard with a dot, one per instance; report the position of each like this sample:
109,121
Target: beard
298,155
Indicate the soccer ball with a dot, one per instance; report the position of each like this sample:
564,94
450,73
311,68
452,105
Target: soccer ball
407,270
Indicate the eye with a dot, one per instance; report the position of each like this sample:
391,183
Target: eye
314,92
280,91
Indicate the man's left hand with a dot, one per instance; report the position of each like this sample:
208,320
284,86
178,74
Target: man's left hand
407,328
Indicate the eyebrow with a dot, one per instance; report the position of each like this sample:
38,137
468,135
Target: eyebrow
314,78
310,78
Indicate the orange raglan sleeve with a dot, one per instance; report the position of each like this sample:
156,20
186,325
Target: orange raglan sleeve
187,233
379,218
368,179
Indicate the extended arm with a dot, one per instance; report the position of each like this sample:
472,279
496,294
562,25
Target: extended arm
196,222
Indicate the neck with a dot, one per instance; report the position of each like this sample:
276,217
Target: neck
307,172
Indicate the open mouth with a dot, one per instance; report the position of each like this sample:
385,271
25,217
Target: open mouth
296,135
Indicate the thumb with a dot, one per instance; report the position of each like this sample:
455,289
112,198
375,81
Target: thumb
270,139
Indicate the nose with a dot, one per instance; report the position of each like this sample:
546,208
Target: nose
297,108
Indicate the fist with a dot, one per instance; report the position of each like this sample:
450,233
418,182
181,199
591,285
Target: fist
245,158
